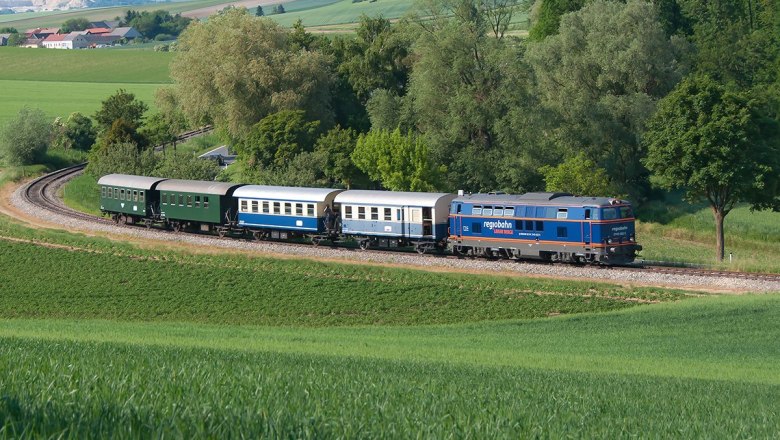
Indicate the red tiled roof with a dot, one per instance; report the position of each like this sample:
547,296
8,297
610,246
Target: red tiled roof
98,31
56,37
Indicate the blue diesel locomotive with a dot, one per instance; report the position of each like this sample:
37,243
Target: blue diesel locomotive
545,226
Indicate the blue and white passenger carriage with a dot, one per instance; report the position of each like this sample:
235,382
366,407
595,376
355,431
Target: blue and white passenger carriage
281,212
394,219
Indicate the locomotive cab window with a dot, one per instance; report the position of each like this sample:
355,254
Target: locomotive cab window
625,212
587,214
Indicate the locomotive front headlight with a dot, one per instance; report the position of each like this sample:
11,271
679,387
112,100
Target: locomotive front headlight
609,241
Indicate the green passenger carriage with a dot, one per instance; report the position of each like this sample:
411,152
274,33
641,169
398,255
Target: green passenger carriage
129,199
198,205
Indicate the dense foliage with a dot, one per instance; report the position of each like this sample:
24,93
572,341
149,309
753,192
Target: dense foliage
25,139
155,23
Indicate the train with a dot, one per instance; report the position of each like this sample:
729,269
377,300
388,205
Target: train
548,226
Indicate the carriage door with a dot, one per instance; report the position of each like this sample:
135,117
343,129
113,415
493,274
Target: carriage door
401,217
415,221
586,226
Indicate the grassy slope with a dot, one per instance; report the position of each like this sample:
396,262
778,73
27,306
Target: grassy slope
651,371
82,80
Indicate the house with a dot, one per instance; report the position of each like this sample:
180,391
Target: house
127,33
41,32
108,24
32,42
101,39
97,31
66,41
4,39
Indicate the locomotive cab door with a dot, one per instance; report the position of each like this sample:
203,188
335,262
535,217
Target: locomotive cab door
587,226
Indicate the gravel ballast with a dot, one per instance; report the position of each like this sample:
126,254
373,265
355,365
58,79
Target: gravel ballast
621,276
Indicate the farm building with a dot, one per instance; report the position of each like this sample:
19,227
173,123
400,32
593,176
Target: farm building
66,41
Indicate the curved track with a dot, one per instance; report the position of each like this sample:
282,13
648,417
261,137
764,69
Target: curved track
42,193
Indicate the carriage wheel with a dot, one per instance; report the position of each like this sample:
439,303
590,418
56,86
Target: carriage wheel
365,244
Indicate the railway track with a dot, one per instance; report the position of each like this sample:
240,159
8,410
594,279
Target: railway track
42,193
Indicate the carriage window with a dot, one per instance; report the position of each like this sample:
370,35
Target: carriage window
347,212
135,195
181,199
399,214
563,232
288,208
243,206
255,206
539,225
266,207
298,209
277,208
388,214
197,201
164,199
189,201
487,210
476,228
476,210
205,202
563,213
310,209
141,196
103,192
110,192
374,213
361,212
121,194
529,225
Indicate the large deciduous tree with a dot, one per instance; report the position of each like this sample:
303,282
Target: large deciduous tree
235,69
602,76
25,138
717,146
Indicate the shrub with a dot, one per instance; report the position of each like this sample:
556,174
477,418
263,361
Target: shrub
25,139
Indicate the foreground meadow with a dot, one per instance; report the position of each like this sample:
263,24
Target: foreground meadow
105,339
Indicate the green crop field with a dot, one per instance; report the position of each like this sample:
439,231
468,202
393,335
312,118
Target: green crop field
81,81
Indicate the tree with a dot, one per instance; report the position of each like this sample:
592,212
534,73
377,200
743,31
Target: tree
234,70
185,165
120,132
121,105
76,133
278,9
717,145
578,175
547,17
158,130
601,76
121,158
400,162
259,11
74,24
337,146
277,138
25,138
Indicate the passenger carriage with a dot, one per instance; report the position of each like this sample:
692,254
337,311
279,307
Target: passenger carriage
129,199
546,226
206,206
280,212
394,219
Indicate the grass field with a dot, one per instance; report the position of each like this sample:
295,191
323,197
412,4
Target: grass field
699,368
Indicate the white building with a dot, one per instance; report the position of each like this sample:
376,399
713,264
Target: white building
66,41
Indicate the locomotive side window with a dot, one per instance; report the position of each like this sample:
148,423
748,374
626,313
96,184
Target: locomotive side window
266,207
498,211
519,224
243,206
625,212
563,213
310,209
529,225
388,214
374,213
476,228
347,212
255,206
476,210
487,210
587,214
509,211
563,232
539,225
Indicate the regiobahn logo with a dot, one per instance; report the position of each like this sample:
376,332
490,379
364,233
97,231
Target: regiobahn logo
499,226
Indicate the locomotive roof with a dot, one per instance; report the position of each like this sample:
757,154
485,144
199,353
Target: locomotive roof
128,181
285,193
197,186
396,198
539,199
